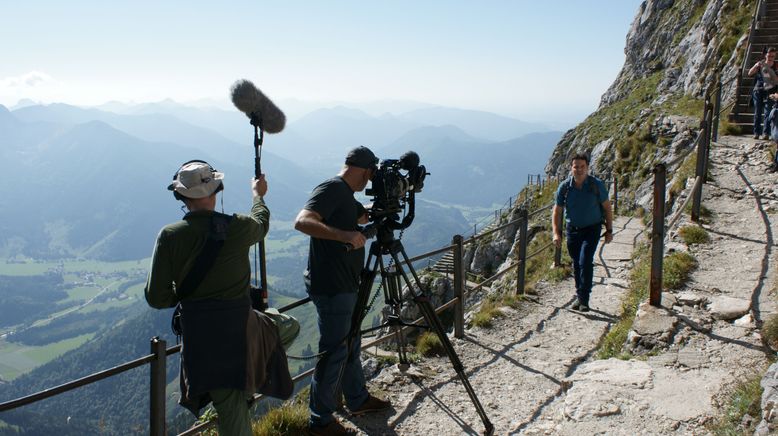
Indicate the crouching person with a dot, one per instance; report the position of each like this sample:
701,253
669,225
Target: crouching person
201,264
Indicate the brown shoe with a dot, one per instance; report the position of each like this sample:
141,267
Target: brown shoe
372,404
334,428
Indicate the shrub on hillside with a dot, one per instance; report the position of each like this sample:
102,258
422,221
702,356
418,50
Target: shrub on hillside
693,234
676,269
770,331
429,344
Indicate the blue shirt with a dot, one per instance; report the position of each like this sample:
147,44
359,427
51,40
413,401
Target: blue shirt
583,207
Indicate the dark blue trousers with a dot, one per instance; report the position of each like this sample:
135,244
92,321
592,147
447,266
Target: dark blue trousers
581,244
334,313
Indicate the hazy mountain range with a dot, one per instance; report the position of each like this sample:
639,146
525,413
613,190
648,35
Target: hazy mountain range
90,182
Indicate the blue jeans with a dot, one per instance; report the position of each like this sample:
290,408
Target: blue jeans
581,244
756,96
762,108
334,313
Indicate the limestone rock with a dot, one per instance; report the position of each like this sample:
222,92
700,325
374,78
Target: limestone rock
769,385
613,371
650,320
728,308
746,321
690,298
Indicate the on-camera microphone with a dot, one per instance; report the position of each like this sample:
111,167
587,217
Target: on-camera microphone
251,101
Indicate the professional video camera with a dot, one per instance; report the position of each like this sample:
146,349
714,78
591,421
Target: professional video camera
392,190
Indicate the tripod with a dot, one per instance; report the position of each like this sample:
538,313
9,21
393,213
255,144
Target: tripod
386,244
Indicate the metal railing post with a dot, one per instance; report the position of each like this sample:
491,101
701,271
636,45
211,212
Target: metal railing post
716,110
157,391
707,143
657,236
700,170
521,271
615,196
459,285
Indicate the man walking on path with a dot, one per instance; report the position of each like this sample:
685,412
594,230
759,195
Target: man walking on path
584,200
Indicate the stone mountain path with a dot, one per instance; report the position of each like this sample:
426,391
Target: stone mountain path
535,371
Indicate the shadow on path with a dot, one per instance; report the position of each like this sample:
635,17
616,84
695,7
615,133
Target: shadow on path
757,292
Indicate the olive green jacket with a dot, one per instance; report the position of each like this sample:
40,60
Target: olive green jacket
179,244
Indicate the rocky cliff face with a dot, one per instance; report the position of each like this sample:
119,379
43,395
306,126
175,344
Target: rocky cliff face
651,113
674,50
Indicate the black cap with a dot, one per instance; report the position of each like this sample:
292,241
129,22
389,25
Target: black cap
361,157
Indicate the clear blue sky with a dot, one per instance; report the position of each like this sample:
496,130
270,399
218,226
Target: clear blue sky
529,59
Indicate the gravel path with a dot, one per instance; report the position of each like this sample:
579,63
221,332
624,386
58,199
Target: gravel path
534,371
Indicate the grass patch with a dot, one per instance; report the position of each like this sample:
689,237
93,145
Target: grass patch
290,418
770,331
693,234
428,344
743,398
613,342
728,128
557,274
676,269
488,311
683,173
511,300
705,214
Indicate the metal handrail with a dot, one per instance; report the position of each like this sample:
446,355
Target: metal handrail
69,386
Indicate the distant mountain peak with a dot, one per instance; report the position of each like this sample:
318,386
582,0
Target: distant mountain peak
6,117
24,103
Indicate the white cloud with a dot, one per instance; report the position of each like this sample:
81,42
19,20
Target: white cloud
27,80
35,85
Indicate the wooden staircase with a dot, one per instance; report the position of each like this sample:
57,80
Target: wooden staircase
763,35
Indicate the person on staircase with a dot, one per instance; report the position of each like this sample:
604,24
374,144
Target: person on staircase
766,83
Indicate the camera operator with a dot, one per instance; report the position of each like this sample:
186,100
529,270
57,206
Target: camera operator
331,217
229,350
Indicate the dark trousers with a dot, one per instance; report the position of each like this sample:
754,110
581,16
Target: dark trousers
762,108
334,313
581,244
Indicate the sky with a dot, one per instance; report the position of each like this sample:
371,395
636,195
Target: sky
547,61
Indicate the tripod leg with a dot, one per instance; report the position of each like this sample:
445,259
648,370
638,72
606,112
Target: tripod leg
434,322
394,300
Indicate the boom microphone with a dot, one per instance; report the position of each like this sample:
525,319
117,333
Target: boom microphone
251,101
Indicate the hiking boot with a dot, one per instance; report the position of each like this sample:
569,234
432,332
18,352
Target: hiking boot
756,136
334,428
583,308
372,404
765,136
576,305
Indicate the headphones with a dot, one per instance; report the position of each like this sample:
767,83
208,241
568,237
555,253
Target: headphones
210,168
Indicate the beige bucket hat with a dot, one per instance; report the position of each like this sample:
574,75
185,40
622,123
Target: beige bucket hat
196,179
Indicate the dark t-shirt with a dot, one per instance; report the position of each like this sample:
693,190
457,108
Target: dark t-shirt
332,269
